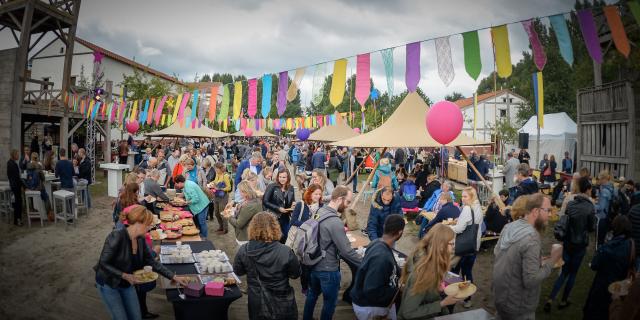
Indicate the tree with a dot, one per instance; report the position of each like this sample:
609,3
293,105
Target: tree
505,133
454,96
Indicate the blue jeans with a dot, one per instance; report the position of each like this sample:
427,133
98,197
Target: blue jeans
284,221
326,283
122,303
572,261
355,183
200,220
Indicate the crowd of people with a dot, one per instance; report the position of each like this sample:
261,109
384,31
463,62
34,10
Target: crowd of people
273,191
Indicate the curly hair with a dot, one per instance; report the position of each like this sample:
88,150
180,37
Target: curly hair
264,227
309,191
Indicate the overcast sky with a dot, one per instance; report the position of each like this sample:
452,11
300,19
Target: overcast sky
253,37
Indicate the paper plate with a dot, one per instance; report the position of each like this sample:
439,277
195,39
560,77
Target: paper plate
143,277
190,231
558,264
453,290
620,288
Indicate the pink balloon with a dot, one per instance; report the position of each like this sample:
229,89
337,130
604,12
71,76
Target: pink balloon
357,130
248,132
133,126
444,121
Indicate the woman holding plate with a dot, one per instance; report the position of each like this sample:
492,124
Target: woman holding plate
124,252
279,199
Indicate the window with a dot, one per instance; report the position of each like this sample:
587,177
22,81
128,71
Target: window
73,80
504,99
61,50
503,113
510,100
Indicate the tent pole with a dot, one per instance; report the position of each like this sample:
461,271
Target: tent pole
538,146
501,204
364,186
348,180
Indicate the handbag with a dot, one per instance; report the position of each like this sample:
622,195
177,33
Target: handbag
547,171
275,304
466,242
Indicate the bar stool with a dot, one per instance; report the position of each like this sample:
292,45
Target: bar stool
5,201
66,209
35,206
367,193
81,197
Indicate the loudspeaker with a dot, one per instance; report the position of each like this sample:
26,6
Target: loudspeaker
523,140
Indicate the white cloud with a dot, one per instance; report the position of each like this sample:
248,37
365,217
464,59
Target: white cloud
147,51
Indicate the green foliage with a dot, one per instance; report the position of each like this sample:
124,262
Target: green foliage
454,96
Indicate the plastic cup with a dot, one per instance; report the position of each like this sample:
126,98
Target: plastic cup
147,269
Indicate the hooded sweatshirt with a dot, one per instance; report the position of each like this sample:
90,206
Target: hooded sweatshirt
376,282
517,270
384,170
379,212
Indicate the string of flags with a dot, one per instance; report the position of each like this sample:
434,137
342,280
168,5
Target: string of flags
205,108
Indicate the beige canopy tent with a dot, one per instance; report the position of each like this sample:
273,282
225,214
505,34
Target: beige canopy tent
175,130
404,128
336,132
262,133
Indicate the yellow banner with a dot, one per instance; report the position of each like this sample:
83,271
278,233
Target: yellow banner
500,37
338,82
176,106
237,100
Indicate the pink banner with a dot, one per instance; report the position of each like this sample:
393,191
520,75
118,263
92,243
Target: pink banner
243,123
159,110
253,97
183,104
283,83
412,74
363,84
539,57
114,111
590,34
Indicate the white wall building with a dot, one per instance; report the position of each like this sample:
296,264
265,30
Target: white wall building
47,64
492,106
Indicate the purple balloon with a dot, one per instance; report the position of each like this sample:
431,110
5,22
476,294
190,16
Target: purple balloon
303,134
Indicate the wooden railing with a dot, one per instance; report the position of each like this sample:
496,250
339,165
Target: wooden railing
48,97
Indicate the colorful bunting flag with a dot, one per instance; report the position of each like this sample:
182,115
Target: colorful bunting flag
281,102
224,107
237,100
295,84
617,30
143,114
412,72
150,111
338,82
176,108
500,36
159,108
318,79
634,6
539,57
472,61
96,107
252,98
213,103
202,108
445,64
267,84
194,105
538,96
559,26
590,34
387,60
363,82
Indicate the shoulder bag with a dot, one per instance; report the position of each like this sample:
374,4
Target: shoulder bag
466,242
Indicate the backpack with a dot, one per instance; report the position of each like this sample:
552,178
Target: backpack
33,179
384,181
409,191
306,244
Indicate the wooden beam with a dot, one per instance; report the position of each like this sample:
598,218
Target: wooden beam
66,72
499,202
15,20
37,40
20,70
73,130
37,24
15,36
52,11
369,178
28,126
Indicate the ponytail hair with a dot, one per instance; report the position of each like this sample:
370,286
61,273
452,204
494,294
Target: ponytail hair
136,214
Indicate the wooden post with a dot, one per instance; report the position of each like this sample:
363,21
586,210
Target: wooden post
19,77
66,75
369,178
501,204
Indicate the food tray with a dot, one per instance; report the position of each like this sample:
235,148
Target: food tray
200,271
171,248
206,278
149,277
168,259
223,259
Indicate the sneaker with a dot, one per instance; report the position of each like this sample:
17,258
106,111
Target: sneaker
467,304
563,304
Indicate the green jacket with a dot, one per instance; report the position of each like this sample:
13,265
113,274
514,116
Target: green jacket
421,306
240,222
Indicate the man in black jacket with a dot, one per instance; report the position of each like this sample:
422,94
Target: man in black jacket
376,283
634,216
16,184
581,214
84,172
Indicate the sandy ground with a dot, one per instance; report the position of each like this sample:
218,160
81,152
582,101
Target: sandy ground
47,272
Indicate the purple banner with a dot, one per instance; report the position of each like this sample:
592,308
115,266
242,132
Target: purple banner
412,74
539,57
283,84
590,34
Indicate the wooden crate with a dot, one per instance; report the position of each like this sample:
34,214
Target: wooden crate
608,129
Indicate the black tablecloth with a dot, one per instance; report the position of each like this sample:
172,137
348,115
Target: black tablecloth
205,307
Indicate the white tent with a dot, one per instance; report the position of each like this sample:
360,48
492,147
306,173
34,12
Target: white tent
558,135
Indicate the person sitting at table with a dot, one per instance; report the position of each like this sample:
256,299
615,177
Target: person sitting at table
124,252
384,176
152,187
494,218
448,210
244,212
268,265
408,193
318,177
384,203
376,282
424,273
35,178
279,199
64,171
427,188
197,201
434,204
